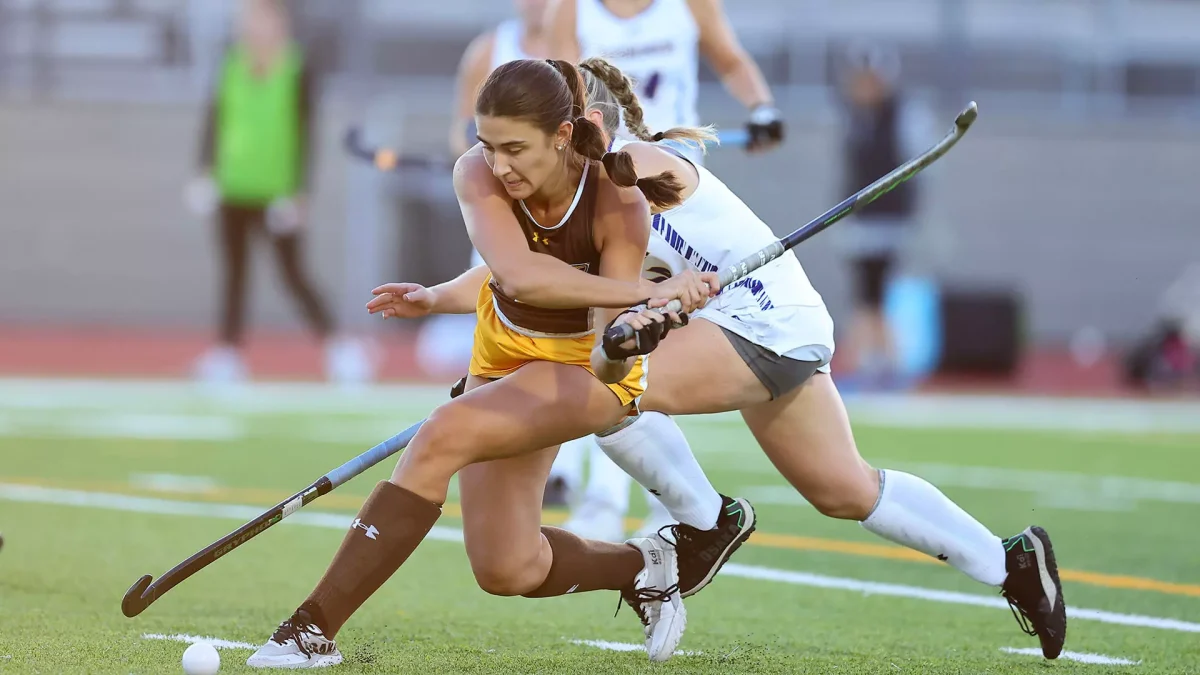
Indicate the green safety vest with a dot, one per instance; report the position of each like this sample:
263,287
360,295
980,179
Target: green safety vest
258,145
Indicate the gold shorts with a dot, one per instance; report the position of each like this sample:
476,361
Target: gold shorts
500,350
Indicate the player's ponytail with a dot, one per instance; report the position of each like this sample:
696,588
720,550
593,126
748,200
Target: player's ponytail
619,88
663,190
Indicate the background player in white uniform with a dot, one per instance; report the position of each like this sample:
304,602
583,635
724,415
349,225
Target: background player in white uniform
658,43
762,346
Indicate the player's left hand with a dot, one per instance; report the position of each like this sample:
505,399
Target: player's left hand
402,300
765,128
287,215
650,328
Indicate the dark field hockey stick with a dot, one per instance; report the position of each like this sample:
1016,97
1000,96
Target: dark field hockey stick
621,333
387,159
145,591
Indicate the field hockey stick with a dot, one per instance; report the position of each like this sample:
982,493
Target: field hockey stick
387,159
145,591
623,332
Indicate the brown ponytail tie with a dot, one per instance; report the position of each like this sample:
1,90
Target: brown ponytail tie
658,137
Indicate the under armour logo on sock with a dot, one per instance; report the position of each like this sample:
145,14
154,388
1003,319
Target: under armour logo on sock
371,531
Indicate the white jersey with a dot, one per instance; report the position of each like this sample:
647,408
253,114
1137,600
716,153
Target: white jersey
775,306
506,43
658,48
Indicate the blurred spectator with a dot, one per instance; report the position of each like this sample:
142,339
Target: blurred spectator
255,174
882,132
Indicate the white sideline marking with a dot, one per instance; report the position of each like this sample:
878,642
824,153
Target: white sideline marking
966,411
103,500
623,647
192,639
1082,657
951,597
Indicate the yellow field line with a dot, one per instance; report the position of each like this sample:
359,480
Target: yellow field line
789,542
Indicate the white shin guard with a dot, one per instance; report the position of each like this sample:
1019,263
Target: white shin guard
653,450
913,513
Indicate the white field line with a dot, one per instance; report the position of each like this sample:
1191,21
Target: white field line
890,410
101,500
193,639
1054,489
623,647
1082,657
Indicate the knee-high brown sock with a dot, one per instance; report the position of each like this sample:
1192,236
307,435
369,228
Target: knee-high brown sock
587,565
390,525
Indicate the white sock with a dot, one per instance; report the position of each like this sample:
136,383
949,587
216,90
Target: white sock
568,465
655,452
608,484
915,514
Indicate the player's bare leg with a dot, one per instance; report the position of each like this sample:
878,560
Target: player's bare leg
494,422
807,435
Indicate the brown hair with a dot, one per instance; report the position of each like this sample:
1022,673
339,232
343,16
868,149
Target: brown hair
550,92
609,89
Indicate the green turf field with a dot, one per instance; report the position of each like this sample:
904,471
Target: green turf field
101,485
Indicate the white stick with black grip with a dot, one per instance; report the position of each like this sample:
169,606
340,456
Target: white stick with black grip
621,333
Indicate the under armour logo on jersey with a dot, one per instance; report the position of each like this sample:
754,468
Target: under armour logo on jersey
371,531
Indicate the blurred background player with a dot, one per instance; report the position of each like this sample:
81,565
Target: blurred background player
444,341
255,174
882,131
658,43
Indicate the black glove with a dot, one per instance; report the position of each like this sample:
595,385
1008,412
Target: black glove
765,127
645,339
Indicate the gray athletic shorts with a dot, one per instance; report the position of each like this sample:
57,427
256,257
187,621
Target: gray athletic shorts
779,374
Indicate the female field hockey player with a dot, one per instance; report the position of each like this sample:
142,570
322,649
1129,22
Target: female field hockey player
552,214
766,343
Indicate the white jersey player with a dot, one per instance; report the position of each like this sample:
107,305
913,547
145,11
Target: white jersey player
659,43
762,347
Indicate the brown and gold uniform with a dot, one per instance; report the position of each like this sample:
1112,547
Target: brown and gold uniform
509,334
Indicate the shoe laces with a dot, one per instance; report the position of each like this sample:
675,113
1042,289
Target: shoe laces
1023,619
293,628
638,598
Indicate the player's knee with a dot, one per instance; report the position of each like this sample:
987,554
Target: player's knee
852,498
444,439
504,579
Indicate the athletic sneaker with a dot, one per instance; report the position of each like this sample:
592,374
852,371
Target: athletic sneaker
297,643
703,552
655,597
1033,590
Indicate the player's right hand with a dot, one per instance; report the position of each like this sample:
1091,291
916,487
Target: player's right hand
691,288
402,300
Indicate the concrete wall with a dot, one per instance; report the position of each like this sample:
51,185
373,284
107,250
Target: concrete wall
1090,222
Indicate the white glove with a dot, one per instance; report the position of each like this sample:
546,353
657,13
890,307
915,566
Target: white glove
200,196
283,216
